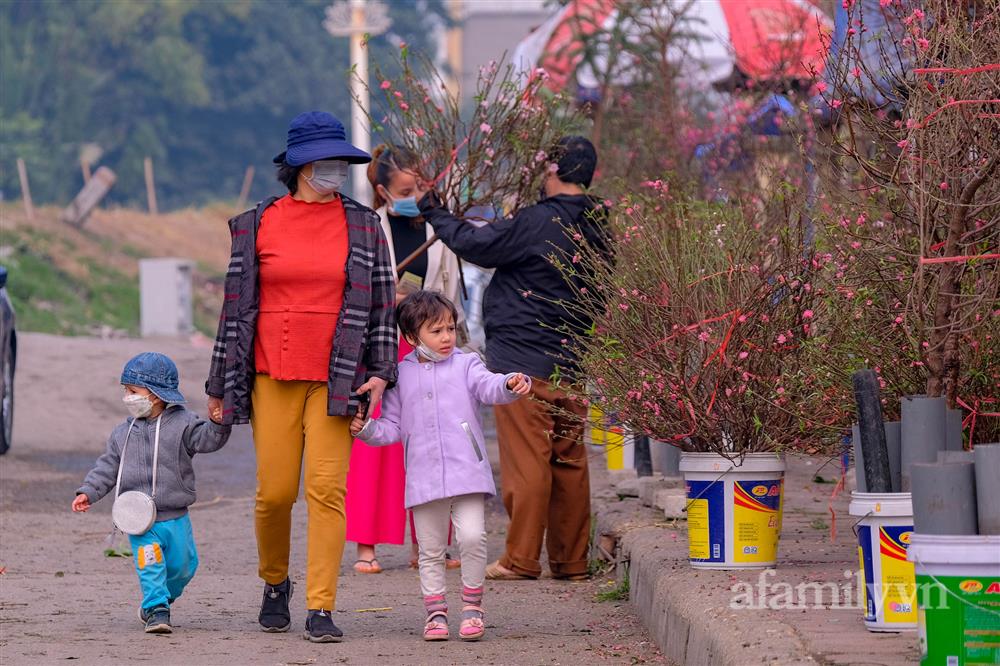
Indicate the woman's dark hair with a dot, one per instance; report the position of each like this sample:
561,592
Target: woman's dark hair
421,307
576,158
385,162
288,176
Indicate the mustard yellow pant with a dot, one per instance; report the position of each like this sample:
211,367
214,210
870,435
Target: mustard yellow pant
291,426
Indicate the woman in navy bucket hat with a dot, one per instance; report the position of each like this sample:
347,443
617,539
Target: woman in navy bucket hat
307,328
317,135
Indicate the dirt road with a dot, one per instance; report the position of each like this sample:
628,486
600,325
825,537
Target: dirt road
61,599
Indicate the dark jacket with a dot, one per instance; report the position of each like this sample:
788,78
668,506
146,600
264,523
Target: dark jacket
182,434
364,344
524,319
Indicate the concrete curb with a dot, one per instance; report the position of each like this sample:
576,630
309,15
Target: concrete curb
711,618
686,611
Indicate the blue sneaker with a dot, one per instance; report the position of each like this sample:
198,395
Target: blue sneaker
158,620
144,613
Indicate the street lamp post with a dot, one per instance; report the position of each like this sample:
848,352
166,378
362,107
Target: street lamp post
358,19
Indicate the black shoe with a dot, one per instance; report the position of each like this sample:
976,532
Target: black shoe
158,620
144,613
274,616
321,629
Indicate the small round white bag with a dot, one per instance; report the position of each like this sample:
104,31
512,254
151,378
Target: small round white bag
134,512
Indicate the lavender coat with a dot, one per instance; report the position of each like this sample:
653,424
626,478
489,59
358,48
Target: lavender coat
434,410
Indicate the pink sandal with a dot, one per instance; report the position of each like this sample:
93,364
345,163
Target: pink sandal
472,628
435,630
436,627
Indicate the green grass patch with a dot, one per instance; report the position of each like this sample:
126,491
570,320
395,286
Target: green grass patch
617,593
48,300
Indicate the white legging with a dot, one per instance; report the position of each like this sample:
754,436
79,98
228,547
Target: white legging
468,515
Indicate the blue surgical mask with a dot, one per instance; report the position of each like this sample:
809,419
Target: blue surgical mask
405,207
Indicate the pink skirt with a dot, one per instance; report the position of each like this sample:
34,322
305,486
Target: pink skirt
376,485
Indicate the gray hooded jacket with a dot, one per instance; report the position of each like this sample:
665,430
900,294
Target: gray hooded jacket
182,434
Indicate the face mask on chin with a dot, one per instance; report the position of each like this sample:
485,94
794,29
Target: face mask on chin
328,176
430,354
139,406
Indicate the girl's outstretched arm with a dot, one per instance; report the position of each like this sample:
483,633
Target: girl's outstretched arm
384,430
493,388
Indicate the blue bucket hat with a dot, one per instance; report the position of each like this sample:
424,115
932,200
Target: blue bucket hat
317,135
155,372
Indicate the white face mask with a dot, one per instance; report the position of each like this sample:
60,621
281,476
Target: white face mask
430,354
328,176
139,406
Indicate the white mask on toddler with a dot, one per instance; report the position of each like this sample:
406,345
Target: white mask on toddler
139,406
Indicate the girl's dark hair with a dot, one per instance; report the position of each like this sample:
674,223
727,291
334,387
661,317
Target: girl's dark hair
420,307
288,176
385,162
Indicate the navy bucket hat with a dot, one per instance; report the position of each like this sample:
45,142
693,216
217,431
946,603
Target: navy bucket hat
317,135
155,372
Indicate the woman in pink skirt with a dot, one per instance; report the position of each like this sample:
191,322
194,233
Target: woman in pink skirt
376,479
374,507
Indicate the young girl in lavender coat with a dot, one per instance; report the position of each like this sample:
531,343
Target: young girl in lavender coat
434,411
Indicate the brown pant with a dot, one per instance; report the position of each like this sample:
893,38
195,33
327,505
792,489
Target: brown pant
544,481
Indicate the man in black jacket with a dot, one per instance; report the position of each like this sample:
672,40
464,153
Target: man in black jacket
543,464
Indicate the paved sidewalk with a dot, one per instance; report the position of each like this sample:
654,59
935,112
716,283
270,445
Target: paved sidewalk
696,617
62,601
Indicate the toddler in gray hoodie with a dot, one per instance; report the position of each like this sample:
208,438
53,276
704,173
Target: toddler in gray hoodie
160,429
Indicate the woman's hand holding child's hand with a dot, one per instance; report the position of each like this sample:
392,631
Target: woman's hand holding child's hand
81,503
215,409
357,423
519,384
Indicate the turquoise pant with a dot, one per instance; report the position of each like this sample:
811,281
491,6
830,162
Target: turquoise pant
165,559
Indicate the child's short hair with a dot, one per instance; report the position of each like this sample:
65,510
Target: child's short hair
420,307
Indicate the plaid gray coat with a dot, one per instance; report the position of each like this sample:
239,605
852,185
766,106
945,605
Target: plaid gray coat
364,344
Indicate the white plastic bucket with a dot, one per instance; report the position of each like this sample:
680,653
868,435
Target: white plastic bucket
888,582
958,593
733,509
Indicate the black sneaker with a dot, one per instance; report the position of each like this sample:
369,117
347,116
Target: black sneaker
144,613
321,629
274,616
158,620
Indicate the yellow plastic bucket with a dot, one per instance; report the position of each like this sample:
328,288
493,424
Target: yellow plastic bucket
733,509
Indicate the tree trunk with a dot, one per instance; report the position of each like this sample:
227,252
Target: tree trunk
943,356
